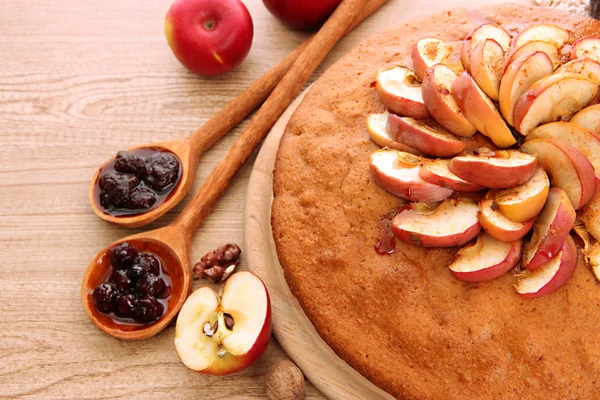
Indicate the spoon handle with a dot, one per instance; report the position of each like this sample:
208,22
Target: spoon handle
239,108
320,45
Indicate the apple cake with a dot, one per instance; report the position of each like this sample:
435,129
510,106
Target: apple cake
405,320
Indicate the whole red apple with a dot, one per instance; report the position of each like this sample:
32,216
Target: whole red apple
209,37
302,14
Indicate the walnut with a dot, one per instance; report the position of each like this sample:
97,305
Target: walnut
285,381
219,264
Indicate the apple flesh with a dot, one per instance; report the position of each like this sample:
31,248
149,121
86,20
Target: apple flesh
588,118
487,65
520,74
590,213
496,224
498,169
486,259
222,334
545,32
302,14
425,136
376,126
551,229
587,142
552,98
569,169
480,111
583,66
586,47
437,173
430,51
452,223
551,275
208,37
439,100
398,173
524,202
400,91
478,35
549,48
593,259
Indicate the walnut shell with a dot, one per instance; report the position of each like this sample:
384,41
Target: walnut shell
284,381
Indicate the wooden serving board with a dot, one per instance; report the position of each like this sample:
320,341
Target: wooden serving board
292,328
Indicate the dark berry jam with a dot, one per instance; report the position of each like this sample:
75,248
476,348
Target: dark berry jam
136,181
137,288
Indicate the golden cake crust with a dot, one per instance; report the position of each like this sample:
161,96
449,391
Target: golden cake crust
402,320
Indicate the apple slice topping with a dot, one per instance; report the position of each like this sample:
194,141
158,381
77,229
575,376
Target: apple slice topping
496,224
550,49
588,118
568,168
524,202
424,135
520,74
398,173
480,111
551,228
220,334
400,91
587,142
583,66
377,128
487,65
486,259
437,172
586,47
478,35
546,32
438,98
498,169
590,213
552,98
430,51
551,275
453,223
592,257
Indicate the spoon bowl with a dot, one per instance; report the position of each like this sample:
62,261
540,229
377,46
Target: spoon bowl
188,161
168,245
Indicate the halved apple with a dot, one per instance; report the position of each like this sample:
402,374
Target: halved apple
587,142
590,213
552,98
523,72
487,65
486,259
452,223
424,135
551,228
568,168
480,111
546,32
376,126
496,224
430,51
586,47
400,91
551,275
524,202
583,66
438,98
219,334
588,118
498,169
437,172
478,35
398,173
551,49
592,257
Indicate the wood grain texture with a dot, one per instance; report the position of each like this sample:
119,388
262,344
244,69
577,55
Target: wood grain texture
80,80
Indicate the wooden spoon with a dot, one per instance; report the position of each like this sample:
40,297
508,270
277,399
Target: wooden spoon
172,242
190,149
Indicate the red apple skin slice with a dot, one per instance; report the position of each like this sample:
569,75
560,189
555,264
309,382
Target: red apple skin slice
551,50
487,65
377,128
497,225
402,180
494,172
425,136
437,173
477,35
583,66
476,254
404,99
430,51
450,214
588,118
551,229
586,47
590,213
545,32
567,258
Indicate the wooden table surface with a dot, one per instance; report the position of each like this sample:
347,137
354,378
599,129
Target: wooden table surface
80,80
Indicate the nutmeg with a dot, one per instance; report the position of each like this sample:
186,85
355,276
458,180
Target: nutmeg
285,381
